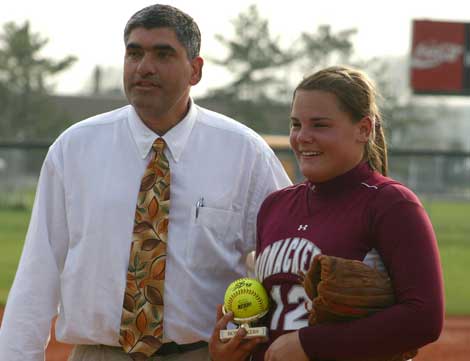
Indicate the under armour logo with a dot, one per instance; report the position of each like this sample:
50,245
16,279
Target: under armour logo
302,227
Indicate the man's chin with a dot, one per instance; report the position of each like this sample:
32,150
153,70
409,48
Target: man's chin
143,102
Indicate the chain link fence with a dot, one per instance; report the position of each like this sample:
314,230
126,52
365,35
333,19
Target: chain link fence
431,174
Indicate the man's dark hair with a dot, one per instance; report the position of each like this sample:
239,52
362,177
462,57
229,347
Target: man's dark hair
166,16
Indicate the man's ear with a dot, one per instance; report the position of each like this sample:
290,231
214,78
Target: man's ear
196,64
364,129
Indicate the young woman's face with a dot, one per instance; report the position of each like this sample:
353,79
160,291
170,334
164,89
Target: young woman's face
324,138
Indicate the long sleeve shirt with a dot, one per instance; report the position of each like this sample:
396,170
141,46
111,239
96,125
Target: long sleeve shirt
359,215
77,246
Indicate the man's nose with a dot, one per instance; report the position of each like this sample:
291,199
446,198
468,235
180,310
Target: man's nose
146,65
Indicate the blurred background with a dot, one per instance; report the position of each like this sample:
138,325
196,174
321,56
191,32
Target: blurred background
61,62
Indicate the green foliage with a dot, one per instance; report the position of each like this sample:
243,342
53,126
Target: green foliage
26,112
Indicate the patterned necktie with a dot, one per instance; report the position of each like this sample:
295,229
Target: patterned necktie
142,318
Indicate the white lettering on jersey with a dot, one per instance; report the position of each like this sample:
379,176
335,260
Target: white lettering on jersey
289,255
309,250
280,257
261,263
271,258
295,262
293,319
286,265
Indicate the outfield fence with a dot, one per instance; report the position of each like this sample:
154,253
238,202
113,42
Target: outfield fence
430,173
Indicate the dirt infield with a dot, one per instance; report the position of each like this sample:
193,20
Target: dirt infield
453,345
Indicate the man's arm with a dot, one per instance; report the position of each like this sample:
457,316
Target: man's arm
268,176
34,297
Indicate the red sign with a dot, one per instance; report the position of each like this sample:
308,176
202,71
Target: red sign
439,58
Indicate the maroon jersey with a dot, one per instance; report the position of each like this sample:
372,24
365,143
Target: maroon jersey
359,215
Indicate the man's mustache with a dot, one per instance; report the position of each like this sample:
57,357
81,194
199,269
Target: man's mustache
150,80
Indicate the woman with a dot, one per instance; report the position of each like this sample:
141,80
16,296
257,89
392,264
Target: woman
347,208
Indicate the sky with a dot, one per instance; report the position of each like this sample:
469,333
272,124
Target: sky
92,30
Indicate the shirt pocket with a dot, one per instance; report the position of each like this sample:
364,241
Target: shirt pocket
212,239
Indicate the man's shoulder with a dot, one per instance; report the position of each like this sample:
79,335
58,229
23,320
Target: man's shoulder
99,120
225,124
90,129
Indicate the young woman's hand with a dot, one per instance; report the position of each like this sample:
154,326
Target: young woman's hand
286,347
237,349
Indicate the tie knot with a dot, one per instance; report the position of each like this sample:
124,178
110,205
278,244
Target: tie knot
158,145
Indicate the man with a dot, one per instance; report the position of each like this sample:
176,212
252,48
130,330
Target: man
82,258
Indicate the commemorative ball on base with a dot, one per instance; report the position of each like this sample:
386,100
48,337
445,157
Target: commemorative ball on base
247,299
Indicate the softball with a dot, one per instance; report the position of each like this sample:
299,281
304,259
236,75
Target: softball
246,298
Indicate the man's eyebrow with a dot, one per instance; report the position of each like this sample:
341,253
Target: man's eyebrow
165,47
133,46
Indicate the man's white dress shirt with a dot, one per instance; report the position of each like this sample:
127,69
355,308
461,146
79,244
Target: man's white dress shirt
77,247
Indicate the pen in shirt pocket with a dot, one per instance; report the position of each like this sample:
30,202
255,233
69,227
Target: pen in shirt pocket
199,204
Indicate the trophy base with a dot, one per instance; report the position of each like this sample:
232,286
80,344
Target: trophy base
251,332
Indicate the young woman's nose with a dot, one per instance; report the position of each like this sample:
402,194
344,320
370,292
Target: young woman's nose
304,135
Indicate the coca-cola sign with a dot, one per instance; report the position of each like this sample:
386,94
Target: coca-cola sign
430,54
438,57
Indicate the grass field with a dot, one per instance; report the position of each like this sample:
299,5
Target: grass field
450,219
13,224
451,222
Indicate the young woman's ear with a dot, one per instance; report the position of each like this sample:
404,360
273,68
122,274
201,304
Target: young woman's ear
364,129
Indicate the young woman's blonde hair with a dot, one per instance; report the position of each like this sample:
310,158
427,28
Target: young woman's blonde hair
356,95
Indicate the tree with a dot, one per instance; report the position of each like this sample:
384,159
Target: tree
264,72
26,112
325,48
253,57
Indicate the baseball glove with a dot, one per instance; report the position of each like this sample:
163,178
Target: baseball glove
344,290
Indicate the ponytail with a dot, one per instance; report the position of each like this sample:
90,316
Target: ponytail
376,149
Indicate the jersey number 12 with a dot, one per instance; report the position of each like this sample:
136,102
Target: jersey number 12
293,319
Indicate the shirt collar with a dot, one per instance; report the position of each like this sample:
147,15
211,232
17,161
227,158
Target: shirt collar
345,181
175,139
